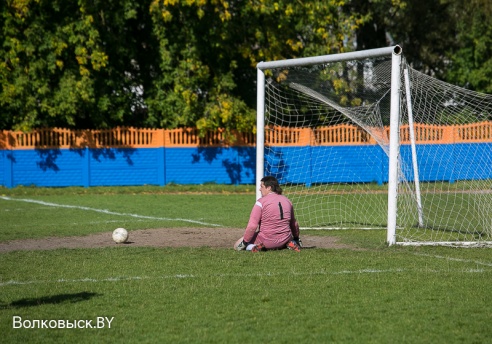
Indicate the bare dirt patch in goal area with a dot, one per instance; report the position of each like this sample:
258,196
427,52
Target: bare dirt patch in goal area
163,237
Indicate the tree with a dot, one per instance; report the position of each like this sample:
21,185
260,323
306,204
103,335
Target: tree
471,63
209,51
73,64
426,29
448,39
154,63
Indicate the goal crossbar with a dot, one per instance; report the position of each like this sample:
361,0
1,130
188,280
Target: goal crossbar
308,61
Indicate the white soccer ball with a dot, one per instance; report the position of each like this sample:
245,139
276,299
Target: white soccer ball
120,235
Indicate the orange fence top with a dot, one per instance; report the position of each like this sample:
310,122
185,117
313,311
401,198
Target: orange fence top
121,138
343,134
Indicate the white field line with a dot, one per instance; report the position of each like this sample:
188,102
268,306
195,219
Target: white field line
194,276
340,228
122,221
109,212
460,260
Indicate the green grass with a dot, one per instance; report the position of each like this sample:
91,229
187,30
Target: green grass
370,294
76,211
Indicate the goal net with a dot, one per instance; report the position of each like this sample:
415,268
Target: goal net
362,140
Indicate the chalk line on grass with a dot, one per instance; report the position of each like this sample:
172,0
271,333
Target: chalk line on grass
109,212
191,276
461,260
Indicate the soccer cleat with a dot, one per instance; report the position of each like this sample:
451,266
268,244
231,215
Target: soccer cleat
292,245
298,241
258,248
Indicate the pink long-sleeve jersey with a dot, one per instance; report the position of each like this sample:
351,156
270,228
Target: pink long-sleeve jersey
274,216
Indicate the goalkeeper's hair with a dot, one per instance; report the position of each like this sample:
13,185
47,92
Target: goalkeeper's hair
273,183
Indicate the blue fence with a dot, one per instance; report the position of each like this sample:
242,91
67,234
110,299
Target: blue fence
126,166
369,163
231,165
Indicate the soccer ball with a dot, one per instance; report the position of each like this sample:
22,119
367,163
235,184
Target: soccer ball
120,235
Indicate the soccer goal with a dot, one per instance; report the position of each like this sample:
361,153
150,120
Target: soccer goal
362,140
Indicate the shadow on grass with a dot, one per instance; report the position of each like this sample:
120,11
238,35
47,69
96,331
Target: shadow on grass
53,300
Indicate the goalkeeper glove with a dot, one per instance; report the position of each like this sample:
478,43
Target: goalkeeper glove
242,246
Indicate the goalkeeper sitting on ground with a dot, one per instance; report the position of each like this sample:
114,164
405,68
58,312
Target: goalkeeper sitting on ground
272,224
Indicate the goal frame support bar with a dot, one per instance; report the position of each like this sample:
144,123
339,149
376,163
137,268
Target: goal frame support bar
413,146
395,52
260,130
394,146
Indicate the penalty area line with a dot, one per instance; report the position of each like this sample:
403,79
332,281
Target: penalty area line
341,228
460,260
108,212
193,276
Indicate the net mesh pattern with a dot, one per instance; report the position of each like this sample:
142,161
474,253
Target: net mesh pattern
327,141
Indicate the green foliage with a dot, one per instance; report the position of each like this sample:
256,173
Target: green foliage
209,50
471,64
191,63
449,39
156,63
424,28
73,64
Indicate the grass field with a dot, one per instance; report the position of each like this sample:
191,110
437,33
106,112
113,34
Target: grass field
369,293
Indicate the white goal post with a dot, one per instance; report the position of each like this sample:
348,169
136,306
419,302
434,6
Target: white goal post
347,135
